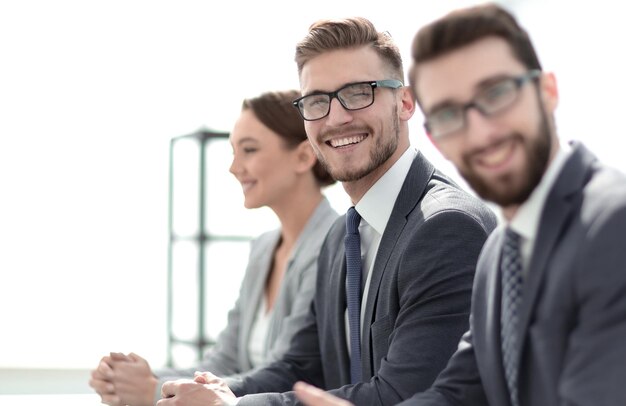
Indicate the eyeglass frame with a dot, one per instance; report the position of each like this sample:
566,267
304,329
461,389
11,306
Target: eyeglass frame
519,81
386,83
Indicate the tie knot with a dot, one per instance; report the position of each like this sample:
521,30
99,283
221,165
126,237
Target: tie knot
512,239
353,218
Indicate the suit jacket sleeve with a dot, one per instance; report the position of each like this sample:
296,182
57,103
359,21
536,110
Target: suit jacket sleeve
594,372
458,384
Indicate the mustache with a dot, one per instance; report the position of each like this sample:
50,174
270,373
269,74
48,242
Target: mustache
494,144
348,129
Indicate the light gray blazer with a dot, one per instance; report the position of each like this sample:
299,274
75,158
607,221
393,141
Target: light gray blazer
230,355
573,317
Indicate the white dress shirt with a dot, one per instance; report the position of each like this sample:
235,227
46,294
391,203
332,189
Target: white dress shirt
526,219
258,334
375,208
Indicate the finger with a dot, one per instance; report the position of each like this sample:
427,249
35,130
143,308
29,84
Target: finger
134,357
106,360
168,389
172,388
118,356
102,387
200,379
96,374
206,377
105,370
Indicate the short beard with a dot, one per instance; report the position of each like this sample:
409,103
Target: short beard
383,150
510,191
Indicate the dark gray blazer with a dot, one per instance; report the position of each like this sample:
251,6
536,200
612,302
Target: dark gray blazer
417,305
573,319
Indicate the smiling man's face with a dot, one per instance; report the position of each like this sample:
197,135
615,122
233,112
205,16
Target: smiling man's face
502,156
359,143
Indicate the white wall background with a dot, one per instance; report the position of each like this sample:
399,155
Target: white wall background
91,93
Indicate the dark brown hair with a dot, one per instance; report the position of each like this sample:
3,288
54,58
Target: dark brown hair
276,111
331,35
465,26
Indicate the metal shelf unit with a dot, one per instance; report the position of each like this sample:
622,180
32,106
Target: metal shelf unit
200,238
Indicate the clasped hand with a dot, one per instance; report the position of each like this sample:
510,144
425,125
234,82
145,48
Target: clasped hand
123,379
205,389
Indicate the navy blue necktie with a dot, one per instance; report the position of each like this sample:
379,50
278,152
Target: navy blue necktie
512,283
352,243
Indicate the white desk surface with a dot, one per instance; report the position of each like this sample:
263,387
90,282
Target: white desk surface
50,400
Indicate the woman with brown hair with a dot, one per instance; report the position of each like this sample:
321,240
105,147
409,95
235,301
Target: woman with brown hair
277,168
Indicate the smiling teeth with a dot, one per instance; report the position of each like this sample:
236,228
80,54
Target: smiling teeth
497,154
340,142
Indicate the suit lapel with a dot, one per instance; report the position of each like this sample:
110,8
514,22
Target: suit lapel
337,304
486,312
410,194
555,216
260,269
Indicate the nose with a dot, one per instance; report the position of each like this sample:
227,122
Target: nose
478,127
338,115
234,166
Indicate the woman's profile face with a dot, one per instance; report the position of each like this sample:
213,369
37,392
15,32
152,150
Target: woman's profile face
261,162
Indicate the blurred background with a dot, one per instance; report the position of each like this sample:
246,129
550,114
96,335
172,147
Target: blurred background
92,93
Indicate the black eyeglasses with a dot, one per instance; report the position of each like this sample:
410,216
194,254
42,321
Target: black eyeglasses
353,96
490,101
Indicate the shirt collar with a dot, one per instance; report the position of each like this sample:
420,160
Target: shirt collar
376,205
526,220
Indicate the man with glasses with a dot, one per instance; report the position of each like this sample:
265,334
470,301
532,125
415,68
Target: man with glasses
548,321
420,236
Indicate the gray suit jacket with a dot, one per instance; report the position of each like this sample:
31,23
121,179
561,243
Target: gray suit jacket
417,305
573,318
230,355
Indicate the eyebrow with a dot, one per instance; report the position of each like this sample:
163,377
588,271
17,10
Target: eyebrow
492,80
482,85
313,92
246,139
318,91
441,105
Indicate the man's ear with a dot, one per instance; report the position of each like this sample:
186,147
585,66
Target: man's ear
408,103
305,156
549,91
